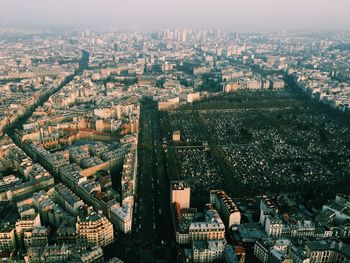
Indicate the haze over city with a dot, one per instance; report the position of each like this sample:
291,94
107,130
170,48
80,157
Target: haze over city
242,15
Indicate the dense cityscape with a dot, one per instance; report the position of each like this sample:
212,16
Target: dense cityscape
176,145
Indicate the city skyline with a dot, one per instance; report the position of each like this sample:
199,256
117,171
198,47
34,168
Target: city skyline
251,15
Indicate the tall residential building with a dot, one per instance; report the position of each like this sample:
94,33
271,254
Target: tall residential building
121,215
211,229
67,199
66,235
272,251
269,218
208,251
226,208
50,212
64,253
327,251
36,237
180,193
7,238
94,229
26,222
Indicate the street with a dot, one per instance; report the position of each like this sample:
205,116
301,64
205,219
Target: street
152,222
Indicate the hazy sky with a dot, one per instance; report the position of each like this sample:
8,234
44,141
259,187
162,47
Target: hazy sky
252,15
